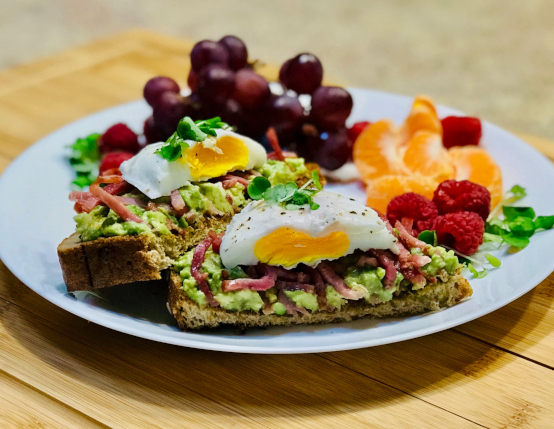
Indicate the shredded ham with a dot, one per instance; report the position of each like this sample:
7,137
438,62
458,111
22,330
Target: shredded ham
118,188
113,203
264,283
290,305
330,277
282,285
271,136
367,261
178,203
409,239
285,153
133,201
408,224
84,201
319,289
414,275
420,260
216,240
386,261
234,179
197,260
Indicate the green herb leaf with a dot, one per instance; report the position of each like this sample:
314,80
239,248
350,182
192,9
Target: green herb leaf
477,274
315,178
511,213
544,222
522,226
514,239
429,237
495,262
187,129
257,187
491,238
518,192
85,159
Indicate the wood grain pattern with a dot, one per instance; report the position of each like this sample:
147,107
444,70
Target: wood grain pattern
58,370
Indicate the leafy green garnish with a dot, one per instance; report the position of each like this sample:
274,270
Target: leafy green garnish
519,223
187,129
287,195
85,159
477,274
429,237
494,261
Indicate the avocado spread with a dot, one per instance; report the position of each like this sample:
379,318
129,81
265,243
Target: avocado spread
199,198
368,280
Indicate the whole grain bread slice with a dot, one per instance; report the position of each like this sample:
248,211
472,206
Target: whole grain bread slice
111,261
433,297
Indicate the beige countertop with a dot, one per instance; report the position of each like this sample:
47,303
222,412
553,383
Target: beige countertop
489,58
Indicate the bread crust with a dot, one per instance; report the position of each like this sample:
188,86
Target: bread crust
433,297
111,261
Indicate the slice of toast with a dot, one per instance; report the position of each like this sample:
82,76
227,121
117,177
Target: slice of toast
111,261
433,297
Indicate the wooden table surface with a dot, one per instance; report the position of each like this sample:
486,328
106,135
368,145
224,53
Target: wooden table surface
58,370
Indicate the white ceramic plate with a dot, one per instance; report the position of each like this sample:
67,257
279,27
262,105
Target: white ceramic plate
35,215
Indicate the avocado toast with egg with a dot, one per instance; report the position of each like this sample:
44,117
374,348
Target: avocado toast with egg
297,255
136,221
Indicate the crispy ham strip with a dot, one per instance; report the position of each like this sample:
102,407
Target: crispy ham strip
113,203
330,277
290,305
197,259
264,283
178,203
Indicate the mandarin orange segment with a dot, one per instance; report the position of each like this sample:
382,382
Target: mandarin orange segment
425,155
375,151
383,189
422,117
476,165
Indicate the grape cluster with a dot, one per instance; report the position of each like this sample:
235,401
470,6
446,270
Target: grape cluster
224,84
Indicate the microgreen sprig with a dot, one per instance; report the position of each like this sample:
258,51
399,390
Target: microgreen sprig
288,195
187,129
85,159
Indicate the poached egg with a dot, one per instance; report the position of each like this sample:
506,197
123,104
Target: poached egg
215,156
273,235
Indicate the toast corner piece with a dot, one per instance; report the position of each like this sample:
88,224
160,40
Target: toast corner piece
190,316
109,261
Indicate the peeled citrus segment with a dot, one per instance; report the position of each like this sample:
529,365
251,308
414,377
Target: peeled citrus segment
476,165
375,151
288,247
383,189
422,117
425,155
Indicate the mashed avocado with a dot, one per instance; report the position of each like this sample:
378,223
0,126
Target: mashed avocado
232,301
280,172
440,258
371,279
103,222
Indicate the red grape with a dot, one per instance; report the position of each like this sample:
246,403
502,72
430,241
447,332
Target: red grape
192,80
215,83
157,86
208,52
330,150
303,73
331,106
238,55
153,133
286,116
171,108
251,89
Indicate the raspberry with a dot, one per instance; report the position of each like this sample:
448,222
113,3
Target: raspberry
355,130
463,231
114,160
119,137
452,196
460,131
412,206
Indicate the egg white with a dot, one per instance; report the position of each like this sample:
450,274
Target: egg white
156,177
363,227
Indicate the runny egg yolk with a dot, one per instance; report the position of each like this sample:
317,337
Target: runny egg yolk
206,162
287,247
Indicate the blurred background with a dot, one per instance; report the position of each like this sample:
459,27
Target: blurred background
492,59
